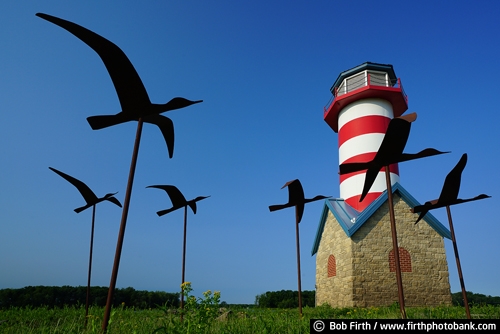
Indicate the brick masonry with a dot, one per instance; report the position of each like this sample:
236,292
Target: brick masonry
363,275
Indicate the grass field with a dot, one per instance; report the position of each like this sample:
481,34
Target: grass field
208,320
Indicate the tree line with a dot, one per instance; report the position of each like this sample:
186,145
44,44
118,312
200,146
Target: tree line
290,299
474,299
285,299
53,296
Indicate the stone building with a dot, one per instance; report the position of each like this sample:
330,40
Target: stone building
355,260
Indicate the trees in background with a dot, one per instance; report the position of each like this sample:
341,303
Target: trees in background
474,299
53,296
285,299
289,299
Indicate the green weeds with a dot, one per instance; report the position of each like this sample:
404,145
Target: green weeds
204,315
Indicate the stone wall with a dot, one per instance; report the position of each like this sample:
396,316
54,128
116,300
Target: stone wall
363,277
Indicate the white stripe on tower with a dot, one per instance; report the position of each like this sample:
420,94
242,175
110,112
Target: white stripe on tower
362,125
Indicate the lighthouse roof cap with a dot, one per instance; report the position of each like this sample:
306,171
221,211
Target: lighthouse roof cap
365,66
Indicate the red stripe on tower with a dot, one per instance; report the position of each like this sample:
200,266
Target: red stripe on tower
367,97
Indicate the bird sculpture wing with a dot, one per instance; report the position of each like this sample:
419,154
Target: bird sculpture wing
295,191
295,198
176,197
449,192
451,186
295,194
84,190
394,140
423,209
166,127
128,85
192,203
112,199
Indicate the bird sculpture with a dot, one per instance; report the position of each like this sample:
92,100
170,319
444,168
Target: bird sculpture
88,195
389,152
179,201
91,200
295,198
177,198
449,192
132,94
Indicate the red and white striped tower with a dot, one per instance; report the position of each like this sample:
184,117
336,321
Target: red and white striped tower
366,98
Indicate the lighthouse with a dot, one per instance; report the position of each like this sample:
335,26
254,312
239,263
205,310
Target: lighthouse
365,99
355,253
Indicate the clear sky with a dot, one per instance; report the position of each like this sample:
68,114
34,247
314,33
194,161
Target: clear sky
263,70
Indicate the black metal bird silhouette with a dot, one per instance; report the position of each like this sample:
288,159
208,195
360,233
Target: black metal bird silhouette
177,198
91,200
295,198
179,201
390,152
449,192
88,195
132,94
136,105
448,197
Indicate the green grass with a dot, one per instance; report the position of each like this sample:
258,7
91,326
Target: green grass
239,320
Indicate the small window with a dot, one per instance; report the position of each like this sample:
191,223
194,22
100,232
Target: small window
332,266
404,261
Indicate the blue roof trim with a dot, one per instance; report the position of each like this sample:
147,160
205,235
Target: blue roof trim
351,220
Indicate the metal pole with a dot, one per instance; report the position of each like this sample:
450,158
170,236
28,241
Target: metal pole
298,258
123,223
395,244
455,248
183,260
87,299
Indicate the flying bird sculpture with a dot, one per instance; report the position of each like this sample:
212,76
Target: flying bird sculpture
136,106
449,192
296,198
177,198
448,197
179,201
390,152
86,192
92,200
132,94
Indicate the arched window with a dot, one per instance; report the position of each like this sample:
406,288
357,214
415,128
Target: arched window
332,266
404,260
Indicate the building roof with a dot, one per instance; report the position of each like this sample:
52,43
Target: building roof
351,220
365,66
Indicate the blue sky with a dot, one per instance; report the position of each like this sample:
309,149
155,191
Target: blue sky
263,70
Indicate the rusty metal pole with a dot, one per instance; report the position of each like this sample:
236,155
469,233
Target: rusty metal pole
395,244
123,223
455,249
183,261
87,299
298,258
